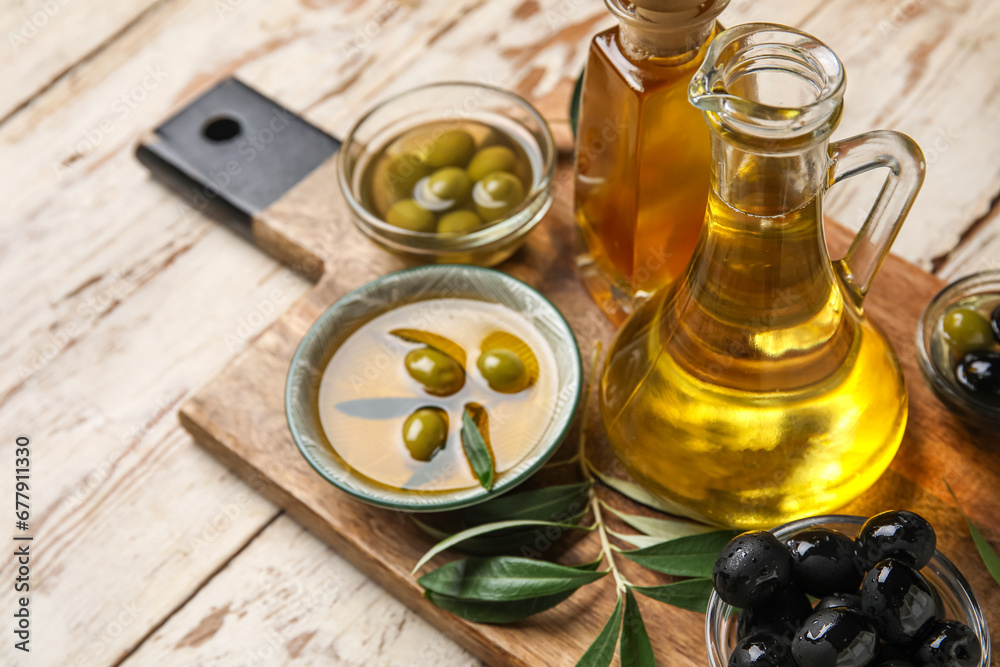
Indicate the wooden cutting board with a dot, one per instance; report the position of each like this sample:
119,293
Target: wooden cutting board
239,416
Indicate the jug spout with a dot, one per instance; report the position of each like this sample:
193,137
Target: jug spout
767,82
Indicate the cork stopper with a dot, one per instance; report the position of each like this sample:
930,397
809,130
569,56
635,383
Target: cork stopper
667,6
665,28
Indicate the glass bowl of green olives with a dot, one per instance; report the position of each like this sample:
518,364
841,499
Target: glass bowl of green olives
739,638
958,346
454,173
366,376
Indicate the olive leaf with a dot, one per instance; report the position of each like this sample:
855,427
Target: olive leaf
665,528
475,439
640,495
480,530
638,541
566,504
986,552
636,651
508,341
438,342
691,556
551,503
691,594
480,611
505,578
602,651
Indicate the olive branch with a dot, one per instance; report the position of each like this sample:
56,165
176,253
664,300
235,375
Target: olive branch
491,588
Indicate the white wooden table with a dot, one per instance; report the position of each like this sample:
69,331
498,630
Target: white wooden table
118,301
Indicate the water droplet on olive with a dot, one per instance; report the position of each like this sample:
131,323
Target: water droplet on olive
754,569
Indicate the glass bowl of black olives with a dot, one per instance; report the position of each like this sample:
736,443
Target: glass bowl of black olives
843,591
958,345
454,173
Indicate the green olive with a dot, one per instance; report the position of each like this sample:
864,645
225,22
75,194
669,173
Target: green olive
450,184
436,371
402,173
458,222
498,195
451,148
408,214
488,160
425,432
966,330
504,370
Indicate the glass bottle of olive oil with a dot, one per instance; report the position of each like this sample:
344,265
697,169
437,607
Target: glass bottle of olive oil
754,390
642,154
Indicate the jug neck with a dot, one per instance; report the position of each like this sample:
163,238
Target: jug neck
665,29
772,96
768,184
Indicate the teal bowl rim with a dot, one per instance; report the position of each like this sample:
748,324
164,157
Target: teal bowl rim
504,484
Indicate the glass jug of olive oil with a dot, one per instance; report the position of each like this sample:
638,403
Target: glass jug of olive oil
753,390
642,153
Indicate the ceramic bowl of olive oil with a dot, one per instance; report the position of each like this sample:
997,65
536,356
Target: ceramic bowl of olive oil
958,346
449,173
433,388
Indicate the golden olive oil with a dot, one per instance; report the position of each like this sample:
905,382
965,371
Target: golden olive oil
750,391
367,395
642,169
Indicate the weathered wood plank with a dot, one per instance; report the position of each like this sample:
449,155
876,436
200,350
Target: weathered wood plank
288,599
44,39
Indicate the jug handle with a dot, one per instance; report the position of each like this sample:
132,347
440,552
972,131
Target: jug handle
856,155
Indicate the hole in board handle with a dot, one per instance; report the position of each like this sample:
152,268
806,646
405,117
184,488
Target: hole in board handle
223,128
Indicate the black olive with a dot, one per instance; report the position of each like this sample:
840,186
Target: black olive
902,535
892,656
761,651
899,602
995,322
979,372
752,569
848,600
949,644
835,638
823,562
779,618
